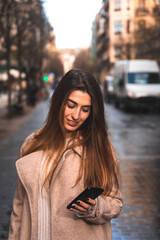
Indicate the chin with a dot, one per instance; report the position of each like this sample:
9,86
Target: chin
71,129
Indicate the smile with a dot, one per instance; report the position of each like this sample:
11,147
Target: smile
72,123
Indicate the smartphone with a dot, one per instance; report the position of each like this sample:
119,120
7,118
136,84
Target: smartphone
90,192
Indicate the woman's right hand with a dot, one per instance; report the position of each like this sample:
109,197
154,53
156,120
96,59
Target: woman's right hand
83,207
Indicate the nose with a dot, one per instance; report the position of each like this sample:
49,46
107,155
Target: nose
76,114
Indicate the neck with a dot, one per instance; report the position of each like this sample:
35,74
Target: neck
69,134
72,134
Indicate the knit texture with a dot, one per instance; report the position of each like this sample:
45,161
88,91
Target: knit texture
44,207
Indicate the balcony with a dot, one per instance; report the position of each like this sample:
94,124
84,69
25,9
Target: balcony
141,11
106,40
156,11
106,20
103,13
100,37
106,4
100,51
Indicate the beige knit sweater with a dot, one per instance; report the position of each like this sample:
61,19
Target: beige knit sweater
44,207
64,224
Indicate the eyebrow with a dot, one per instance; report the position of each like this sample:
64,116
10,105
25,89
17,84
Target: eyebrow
89,106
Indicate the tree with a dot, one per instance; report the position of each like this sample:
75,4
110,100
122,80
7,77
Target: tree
6,8
83,60
55,65
24,26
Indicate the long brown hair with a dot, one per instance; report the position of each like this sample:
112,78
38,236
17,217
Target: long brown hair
98,164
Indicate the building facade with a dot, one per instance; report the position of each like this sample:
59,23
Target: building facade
127,29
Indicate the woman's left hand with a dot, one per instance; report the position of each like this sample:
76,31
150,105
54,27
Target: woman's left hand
83,207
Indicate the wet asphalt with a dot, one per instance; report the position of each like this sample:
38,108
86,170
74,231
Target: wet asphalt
135,137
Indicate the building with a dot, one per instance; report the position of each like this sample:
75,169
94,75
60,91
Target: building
127,29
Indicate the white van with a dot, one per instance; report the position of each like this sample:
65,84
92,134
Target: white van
136,83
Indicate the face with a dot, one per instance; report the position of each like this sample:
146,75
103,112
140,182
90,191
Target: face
77,110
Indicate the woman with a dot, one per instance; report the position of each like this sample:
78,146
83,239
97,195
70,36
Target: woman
70,152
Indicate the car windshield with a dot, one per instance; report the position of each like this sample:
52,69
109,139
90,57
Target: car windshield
143,78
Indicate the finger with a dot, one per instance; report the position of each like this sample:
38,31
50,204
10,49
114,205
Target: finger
80,207
86,206
91,201
77,211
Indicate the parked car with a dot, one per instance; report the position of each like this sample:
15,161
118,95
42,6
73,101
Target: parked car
136,83
108,88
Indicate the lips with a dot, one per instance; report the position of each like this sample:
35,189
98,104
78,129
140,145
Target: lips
72,123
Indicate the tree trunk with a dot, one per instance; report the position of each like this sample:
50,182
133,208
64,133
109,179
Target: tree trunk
19,58
8,47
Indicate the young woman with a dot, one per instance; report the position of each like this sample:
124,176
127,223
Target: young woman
70,152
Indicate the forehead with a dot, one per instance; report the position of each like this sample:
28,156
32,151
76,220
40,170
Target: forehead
80,97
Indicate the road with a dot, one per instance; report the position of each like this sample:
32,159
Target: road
136,140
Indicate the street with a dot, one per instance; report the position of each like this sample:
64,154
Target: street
135,137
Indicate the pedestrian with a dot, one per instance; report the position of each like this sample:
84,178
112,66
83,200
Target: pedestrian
70,152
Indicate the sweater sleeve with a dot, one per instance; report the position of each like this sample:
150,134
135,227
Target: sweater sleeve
15,220
107,208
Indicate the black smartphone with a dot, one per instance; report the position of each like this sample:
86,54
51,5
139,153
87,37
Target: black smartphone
90,192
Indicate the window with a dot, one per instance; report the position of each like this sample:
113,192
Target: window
158,24
142,10
128,26
141,3
118,27
156,9
157,2
118,51
128,51
143,78
117,5
128,4
101,25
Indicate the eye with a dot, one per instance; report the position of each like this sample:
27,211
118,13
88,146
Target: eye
70,105
85,110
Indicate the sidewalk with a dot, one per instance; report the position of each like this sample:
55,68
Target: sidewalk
9,125
3,103
15,130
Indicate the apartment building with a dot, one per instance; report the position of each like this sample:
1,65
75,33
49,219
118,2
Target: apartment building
124,30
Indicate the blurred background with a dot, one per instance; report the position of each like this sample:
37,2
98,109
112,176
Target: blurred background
41,40
118,41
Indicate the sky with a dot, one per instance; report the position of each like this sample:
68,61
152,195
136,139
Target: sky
72,21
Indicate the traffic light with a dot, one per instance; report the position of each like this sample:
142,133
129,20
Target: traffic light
45,78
